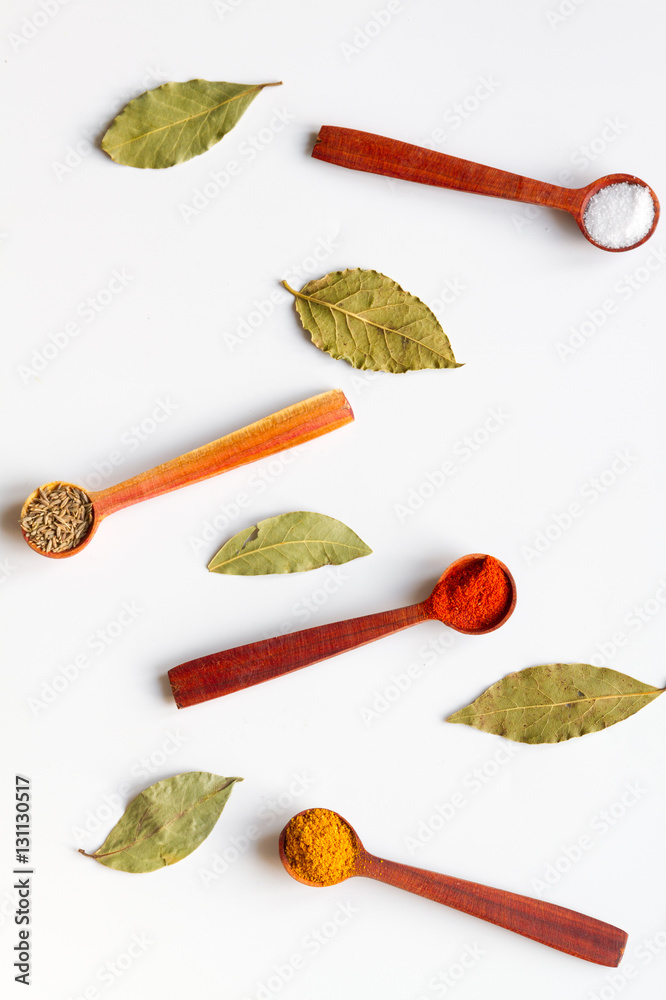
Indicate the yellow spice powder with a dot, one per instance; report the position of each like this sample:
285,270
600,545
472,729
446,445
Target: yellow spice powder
320,847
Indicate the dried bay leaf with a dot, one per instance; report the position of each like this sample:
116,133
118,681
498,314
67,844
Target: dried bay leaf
289,543
367,319
555,702
177,121
165,822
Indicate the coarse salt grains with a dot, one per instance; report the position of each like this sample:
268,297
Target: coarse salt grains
619,215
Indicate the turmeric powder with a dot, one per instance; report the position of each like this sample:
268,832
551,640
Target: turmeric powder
320,846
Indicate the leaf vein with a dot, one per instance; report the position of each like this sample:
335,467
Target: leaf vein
189,118
572,701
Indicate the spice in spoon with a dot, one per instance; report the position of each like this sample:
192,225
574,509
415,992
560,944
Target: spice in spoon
320,847
619,215
473,597
57,517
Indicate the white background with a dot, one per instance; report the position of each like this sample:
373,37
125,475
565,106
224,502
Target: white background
524,280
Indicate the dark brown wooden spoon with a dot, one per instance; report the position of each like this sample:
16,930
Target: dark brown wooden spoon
376,154
235,669
567,930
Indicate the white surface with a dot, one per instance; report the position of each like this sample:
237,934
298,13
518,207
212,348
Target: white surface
591,81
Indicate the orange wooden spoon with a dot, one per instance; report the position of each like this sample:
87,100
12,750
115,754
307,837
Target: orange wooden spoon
285,429
568,931
376,154
232,670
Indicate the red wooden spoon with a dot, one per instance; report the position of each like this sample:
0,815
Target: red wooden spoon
376,154
287,428
568,931
235,669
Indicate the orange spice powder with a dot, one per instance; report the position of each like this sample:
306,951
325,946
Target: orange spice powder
320,847
476,596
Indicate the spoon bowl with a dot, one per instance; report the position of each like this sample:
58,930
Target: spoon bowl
377,154
217,674
586,195
287,428
84,541
361,853
454,569
566,930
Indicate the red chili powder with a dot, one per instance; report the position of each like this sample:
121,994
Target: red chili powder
475,596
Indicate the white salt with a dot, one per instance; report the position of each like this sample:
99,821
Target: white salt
619,215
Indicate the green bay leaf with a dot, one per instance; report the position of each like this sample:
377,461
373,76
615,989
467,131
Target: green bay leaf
555,702
165,822
177,121
367,319
288,543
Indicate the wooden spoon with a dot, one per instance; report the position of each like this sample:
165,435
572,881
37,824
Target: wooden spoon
378,155
568,931
285,429
235,669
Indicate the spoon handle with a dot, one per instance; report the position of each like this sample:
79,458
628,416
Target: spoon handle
378,155
568,931
234,669
285,429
